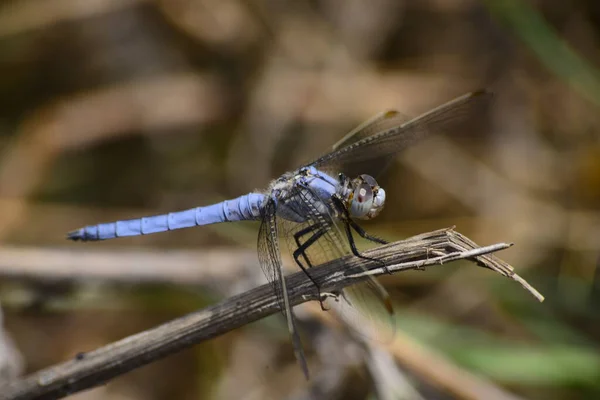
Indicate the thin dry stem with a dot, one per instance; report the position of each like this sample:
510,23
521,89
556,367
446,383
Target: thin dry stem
96,367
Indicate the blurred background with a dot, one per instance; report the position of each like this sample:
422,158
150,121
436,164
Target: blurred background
120,109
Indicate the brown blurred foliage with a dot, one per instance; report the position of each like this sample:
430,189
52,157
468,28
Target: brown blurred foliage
117,109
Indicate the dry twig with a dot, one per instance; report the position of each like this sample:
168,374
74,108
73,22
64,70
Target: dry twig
96,367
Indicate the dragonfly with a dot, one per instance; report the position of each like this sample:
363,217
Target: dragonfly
315,208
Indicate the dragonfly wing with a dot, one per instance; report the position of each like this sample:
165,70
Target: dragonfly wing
362,302
387,142
269,257
365,301
380,122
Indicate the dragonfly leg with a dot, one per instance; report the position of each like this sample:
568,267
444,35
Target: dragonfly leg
364,234
348,222
301,250
355,250
302,232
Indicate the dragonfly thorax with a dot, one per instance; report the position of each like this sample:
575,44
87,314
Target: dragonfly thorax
364,197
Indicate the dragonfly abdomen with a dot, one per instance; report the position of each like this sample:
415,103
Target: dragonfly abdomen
243,208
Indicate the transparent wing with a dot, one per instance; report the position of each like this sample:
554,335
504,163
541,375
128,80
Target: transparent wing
383,121
365,302
390,139
269,257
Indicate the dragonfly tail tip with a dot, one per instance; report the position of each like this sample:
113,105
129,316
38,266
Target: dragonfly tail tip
75,235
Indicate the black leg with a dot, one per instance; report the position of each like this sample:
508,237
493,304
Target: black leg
355,250
348,222
365,235
301,250
302,232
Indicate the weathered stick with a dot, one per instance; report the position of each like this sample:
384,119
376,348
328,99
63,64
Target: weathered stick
95,368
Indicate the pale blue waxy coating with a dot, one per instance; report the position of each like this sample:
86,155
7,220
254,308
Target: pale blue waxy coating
247,207
287,192
323,184
244,208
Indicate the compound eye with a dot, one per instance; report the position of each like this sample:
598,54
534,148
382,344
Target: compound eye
379,199
362,201
370,180
378,202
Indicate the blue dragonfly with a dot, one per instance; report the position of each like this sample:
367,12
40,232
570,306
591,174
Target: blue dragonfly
314,208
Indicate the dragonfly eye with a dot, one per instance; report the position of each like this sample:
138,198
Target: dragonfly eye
370,180
378,203
362,200
367,199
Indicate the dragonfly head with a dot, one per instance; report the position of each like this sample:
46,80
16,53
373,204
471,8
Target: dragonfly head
366,197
